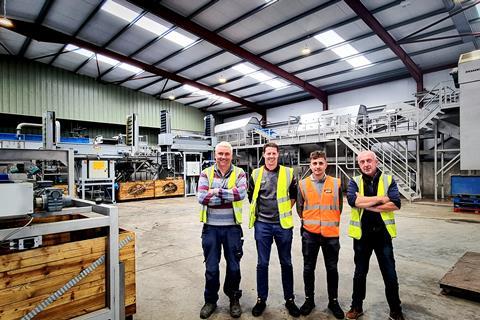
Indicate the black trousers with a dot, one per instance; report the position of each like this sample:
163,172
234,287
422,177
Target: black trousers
311,244
379,242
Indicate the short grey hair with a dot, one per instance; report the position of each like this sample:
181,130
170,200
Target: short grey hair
224,144
367,152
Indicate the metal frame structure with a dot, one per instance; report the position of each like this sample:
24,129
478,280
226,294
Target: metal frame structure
102,216
251,100
185,176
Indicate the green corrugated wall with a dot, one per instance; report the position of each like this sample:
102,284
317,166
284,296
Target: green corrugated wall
31,88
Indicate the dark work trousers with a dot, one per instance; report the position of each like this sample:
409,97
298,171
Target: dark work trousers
380,242
213,239
311,243
265,233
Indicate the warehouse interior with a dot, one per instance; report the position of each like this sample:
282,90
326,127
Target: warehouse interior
111,109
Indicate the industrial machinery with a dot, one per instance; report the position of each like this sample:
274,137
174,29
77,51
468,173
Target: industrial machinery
469,81
182,153
24,196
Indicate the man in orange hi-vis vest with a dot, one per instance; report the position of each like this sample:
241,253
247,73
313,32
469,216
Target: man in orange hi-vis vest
319,205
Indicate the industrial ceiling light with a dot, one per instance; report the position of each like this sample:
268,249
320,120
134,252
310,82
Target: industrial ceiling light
306,50
171,97
222,79
4,21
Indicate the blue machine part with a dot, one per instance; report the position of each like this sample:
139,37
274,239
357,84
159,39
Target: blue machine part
38,137
465,185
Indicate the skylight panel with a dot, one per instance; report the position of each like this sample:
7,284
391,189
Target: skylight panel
329,38
107,60
345,51
277,84
151,26
359,61
202,93
243,68
223,100
260,76
129,67
119,11
179,38
190,88
80,51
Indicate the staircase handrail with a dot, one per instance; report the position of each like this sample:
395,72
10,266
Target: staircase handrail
396,155
402,170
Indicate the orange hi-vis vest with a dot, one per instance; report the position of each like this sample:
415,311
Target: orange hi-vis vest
321,210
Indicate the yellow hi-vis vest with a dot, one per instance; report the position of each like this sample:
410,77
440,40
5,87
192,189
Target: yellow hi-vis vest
285,177
237,205
355,227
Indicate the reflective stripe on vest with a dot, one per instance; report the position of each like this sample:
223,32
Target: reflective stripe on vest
285,177
321,211
388,217
237,205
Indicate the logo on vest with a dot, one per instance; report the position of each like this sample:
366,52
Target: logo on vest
328,191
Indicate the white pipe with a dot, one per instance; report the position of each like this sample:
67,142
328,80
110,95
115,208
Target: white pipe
26,124
57,131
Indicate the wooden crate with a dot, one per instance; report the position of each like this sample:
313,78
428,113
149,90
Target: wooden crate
169,188
136,190
64,187
29,277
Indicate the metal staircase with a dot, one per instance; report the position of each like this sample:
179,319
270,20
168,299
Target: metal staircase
391,161
442,96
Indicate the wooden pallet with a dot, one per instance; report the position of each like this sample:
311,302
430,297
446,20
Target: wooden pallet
169,188
136,190
464,278
28,277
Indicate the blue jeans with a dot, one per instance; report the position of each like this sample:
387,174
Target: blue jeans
265,233
380,242
213,238
311,244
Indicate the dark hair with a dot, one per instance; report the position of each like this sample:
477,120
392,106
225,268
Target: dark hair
318,154
270,145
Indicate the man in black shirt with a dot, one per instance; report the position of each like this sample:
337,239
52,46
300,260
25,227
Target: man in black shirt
373,197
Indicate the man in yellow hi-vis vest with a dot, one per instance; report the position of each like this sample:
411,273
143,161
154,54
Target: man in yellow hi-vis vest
221,189
272,192
373,197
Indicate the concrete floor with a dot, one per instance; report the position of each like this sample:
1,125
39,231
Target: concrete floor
170,270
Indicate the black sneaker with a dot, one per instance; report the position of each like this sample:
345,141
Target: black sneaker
259,308
292,308
307,306
207,310
336,309
235,309
396,315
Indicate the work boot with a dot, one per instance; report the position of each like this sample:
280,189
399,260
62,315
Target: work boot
307,306
396,315
292,308
259,307
207,310
235,309
354,313
336,309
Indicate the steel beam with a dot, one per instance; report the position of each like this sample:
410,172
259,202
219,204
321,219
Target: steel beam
80,28
380,31
42,33
256,36
41,16
225,44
